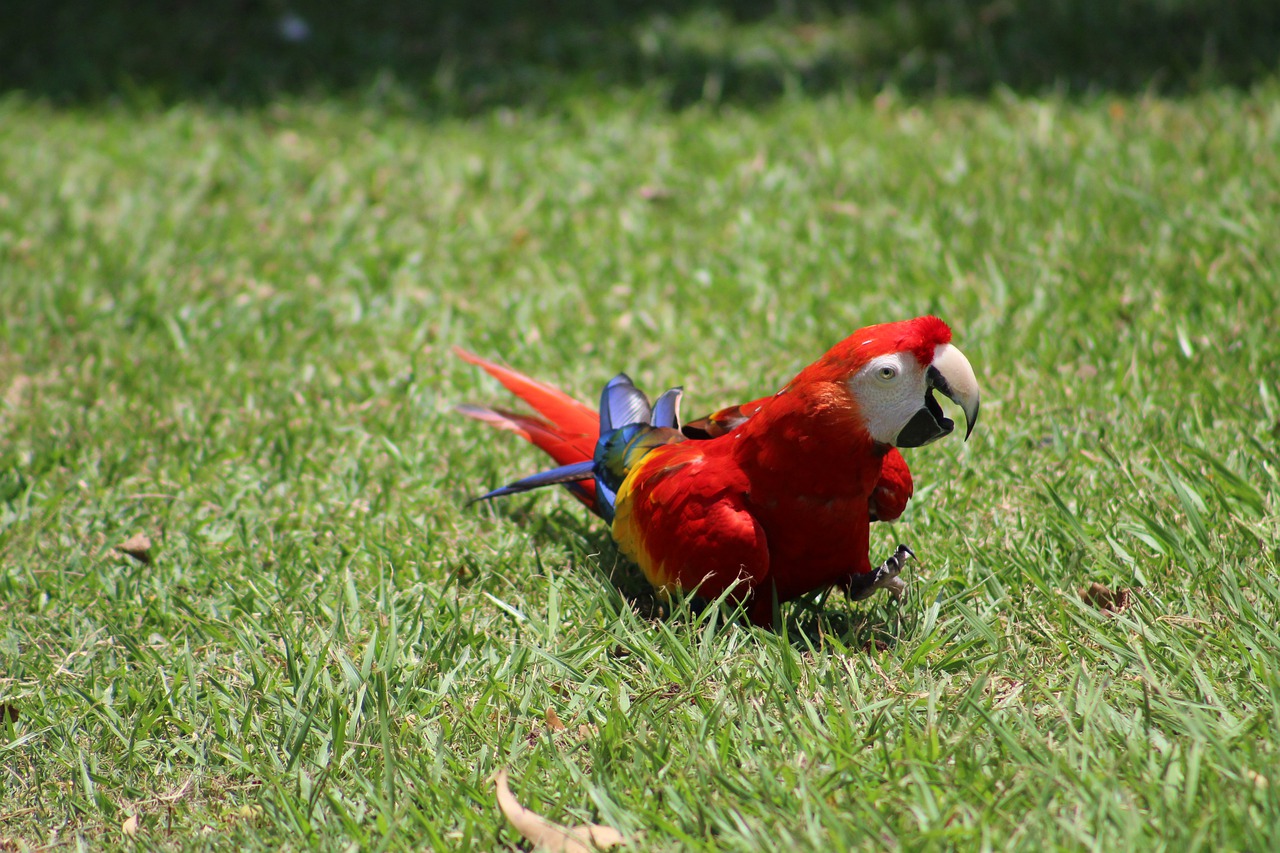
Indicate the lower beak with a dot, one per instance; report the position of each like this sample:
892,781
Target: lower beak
927,425
951,374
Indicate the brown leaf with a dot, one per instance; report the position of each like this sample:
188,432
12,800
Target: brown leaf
130,826
553,721
1106,599
137,546
8,713
552,837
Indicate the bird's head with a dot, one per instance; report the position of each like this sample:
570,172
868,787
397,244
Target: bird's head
891,371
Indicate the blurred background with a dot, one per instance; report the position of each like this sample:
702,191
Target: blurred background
455,58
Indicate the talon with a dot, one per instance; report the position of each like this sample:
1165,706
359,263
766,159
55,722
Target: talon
896,587
885,577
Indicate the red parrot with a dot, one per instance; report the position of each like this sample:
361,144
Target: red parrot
768,500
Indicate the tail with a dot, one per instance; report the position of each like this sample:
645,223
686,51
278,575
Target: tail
590,467
570,429
568,434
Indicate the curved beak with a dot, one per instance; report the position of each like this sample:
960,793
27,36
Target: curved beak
951,374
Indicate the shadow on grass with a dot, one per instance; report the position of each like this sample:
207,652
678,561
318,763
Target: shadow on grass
457,58
856,625
593,549
810,621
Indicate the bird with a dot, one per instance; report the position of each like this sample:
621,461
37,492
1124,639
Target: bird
764,501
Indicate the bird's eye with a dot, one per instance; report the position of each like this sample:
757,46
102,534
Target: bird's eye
886,373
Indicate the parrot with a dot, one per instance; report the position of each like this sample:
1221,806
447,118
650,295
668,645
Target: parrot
761,502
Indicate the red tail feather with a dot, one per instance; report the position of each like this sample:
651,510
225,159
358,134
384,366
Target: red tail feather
575,421
568,434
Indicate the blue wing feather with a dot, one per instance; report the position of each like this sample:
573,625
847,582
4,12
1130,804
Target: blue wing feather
622,403
666,409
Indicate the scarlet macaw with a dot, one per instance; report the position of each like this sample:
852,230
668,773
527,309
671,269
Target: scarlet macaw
771,499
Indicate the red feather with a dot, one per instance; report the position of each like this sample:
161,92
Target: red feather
890,496
776,500
568,434
543,435
576,423
780,503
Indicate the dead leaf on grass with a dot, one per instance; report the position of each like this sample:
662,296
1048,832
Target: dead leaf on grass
8,713
130,826
1106,599
552,837
137,546
553,721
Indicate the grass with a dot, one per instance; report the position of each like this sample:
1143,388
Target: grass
228,327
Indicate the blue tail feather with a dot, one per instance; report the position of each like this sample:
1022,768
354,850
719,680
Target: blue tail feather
564,474
629,430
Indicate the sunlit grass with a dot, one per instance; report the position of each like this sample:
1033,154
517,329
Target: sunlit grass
230,331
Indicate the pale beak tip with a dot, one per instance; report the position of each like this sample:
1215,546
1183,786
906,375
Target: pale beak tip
971,420
952,374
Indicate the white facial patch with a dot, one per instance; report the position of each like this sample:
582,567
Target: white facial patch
889,390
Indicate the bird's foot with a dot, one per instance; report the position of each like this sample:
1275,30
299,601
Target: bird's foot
885,577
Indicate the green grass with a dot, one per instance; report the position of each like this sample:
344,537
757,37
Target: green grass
228,327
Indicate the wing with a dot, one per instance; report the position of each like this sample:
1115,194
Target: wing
681,517
723,421
890,496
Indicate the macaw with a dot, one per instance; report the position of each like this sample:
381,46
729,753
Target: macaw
765,501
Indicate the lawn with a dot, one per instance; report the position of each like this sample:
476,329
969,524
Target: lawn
226,321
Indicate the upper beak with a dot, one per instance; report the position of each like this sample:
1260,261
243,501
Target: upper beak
952,374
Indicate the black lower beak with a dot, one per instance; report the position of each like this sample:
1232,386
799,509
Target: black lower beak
927,425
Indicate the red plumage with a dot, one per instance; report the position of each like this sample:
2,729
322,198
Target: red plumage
774,498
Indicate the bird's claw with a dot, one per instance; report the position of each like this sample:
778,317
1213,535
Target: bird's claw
885,577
